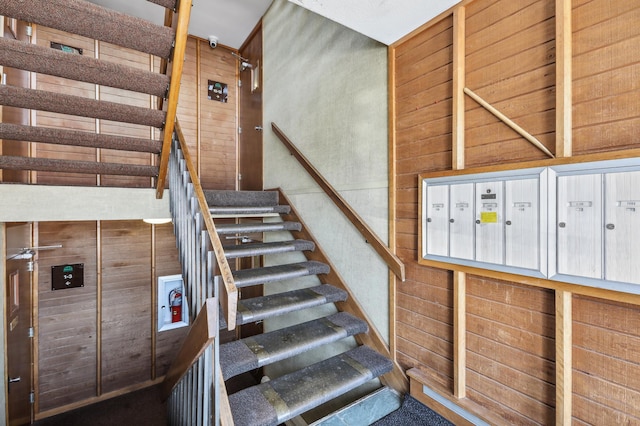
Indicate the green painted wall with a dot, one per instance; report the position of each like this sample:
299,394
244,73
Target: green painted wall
325,86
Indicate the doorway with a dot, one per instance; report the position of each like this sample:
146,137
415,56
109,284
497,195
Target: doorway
19,322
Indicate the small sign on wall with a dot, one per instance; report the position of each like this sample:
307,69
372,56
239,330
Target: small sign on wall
67,276
65,48
217,91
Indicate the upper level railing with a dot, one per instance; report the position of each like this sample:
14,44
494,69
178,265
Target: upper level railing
392,261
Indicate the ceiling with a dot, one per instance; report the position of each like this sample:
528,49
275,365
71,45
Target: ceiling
231,21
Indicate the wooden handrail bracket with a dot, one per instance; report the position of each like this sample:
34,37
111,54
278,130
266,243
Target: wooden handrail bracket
202,334
392,261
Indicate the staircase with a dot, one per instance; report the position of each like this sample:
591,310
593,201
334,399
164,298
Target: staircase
307,292
95,22
328,353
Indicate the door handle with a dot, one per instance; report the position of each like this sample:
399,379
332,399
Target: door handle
14,380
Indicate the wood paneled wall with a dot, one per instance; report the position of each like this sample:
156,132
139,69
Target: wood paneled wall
101,338
508,349
210,126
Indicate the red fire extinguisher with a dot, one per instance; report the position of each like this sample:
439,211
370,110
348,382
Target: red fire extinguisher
175,302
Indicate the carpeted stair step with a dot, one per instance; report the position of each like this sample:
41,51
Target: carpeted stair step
249,210
260,249
75,105
251,228
40,59
169,4
289,396
260,308
19,132
247,277
70,166
247,354
95,22
227,198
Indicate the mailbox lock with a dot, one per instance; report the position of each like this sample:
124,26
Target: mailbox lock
428,219
451,220
478,221
562,225
610,226
508,222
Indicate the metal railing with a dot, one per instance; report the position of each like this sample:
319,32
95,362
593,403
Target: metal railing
194,385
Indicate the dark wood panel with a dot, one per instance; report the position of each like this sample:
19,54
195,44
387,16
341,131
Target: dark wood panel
167,263
67,328
126,304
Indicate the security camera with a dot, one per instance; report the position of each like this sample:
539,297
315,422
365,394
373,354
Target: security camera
213,42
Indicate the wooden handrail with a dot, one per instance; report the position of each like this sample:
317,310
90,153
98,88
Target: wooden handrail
202,334
181,24
392,261
228,297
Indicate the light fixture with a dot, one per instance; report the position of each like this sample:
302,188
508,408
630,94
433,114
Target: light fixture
157,221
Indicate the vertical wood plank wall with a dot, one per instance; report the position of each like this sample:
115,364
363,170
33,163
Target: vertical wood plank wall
511,348
100,340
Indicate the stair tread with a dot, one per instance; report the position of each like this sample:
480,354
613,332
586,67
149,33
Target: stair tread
259,308
72,166
20,132
248,228
248,210
44,60
246,277
95,22
259,249
307,388
229,198
62,103
247,354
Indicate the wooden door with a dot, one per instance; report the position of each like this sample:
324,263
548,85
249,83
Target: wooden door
250,141
19,282
250,147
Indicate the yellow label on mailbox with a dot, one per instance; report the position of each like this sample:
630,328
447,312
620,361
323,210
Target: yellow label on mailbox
488,217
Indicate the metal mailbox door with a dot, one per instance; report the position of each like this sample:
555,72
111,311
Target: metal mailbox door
489,222
622,226
461,227
437,221
579,227
522,224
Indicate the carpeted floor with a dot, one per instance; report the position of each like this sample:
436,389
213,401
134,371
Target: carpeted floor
413,413
144,408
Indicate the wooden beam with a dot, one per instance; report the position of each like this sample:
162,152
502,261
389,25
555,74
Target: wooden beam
392,177
563,357
171,106
506,120
457,130
564,120
459,334
458,163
